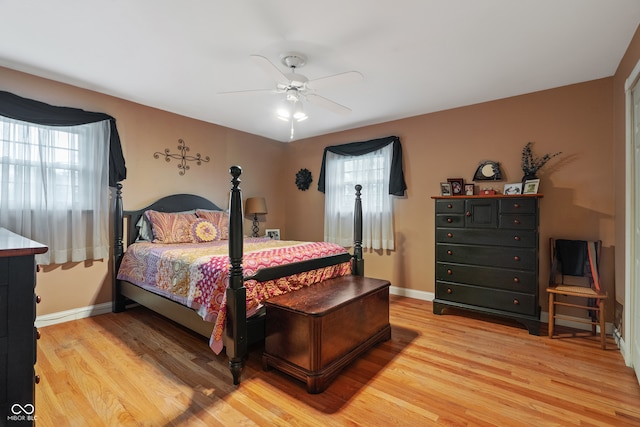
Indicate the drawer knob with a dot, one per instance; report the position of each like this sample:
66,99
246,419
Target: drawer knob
449,206
516,302
516,258
449,272
516,280
449,235
38,334
517,238
516,205
38,299
516,221
449,291
468,213
449,252
449,220
36,379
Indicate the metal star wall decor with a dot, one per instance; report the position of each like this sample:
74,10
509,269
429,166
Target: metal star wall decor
183,166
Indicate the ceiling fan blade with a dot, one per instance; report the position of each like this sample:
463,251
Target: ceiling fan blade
268,67
327,103
335,80
249,92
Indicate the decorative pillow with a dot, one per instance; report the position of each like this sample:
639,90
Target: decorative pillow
170,227
220,219
202,231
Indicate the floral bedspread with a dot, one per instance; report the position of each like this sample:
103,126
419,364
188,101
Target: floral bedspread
197,274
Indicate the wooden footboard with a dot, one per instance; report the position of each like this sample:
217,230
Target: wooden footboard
239,331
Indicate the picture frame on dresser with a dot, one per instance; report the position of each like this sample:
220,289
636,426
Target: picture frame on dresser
531,186
445,189
457,186
513,188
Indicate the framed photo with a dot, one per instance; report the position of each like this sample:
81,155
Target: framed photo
445,189
273,233
531,186
457,186
514,188
468,189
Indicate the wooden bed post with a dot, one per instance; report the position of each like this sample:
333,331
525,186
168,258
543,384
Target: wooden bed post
117,304
236,327
357,266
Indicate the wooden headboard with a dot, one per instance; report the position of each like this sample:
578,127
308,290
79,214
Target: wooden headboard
173,203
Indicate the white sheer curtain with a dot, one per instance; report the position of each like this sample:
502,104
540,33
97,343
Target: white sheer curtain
372,172
54,187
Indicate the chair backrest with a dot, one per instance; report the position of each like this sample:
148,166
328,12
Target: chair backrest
575,258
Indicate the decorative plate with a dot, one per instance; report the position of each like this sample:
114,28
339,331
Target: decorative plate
488,171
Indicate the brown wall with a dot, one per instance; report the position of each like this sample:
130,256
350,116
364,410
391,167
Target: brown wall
577,186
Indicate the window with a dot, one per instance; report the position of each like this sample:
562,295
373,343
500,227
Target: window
54,187
372,171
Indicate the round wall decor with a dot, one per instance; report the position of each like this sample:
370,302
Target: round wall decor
303,179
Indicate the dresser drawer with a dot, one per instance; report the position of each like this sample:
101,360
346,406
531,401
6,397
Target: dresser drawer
498,278
495,256
518,222
522,205
515,238
450,206
513,302
4,271
450,220
4,310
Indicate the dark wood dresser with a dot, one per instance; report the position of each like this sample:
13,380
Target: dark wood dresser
487,256
18,334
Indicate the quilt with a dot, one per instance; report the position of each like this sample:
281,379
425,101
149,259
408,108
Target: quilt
197,274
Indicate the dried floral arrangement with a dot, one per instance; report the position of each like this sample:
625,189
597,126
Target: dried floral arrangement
530,164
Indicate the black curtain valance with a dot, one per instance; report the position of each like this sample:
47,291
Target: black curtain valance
397,185
28,110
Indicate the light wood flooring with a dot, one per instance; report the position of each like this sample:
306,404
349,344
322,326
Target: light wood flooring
138,369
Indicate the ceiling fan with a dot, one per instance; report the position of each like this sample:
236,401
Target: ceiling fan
297,88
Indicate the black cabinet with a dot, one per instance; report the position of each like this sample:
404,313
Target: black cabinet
18,334
487,256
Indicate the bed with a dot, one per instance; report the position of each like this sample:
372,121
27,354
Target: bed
236,274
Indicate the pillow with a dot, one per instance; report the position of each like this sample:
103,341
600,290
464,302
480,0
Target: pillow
202,231
220,219
170,227
145,232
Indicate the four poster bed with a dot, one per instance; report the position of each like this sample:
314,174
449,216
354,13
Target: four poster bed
234,276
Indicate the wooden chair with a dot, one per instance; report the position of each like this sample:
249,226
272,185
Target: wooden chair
571,259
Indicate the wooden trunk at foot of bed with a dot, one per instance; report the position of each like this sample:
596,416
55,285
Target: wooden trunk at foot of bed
239,331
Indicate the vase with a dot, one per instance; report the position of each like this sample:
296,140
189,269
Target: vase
525,178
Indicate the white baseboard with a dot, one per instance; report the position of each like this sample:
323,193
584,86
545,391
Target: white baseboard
74,314
412,293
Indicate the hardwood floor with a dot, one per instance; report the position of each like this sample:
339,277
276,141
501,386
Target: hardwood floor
136,368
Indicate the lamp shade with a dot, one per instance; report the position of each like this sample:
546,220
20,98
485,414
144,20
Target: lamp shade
255,205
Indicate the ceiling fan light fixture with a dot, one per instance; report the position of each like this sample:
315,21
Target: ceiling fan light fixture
298,112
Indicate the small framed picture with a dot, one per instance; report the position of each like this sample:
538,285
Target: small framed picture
468,189
457,186
273,233
514,188
445,189
531,186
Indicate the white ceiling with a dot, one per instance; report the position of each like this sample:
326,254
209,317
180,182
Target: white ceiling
416,56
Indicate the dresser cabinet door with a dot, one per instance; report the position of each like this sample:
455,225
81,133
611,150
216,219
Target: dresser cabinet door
481,213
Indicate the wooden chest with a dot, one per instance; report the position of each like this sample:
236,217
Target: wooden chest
312,333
